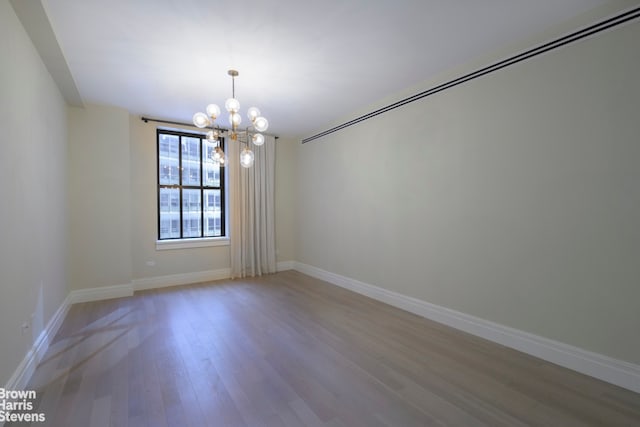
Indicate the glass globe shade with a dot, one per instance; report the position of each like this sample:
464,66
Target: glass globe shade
253,113
258,139
235,119
218,156
212,136
246,158
201,120
232,105
213,110
261,124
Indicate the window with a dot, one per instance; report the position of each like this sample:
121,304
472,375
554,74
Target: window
190,187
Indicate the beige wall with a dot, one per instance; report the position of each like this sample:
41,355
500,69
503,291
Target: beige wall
286,173
33,194
514,197
99,193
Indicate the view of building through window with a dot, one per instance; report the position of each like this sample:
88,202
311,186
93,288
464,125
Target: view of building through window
190,187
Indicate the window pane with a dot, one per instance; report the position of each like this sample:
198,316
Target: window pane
190,161
191,198
211,175
191,213
169,213
211,171
169,161
212,213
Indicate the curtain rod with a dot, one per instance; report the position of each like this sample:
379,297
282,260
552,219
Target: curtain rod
570,38
149,119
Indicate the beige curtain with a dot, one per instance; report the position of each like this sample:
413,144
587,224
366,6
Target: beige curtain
251,210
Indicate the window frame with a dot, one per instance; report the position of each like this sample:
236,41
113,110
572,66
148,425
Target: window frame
190,241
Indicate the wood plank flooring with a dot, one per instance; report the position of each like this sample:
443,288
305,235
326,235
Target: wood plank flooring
290,350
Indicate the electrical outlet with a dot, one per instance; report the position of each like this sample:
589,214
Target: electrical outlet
151,263
25,327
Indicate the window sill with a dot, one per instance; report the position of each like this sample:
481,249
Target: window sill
162,245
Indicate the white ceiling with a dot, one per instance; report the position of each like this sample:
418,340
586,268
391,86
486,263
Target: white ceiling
305,64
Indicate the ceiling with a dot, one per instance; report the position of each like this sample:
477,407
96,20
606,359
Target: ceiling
305,64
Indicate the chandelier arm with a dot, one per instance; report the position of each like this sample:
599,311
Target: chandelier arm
244,137
190,124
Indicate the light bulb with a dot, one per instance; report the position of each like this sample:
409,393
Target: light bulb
212,136
213,111
253,113
258,139
232,105
201,120
218,156
261,124
246,158
235,119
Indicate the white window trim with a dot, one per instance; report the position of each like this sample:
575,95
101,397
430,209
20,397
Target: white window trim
163,245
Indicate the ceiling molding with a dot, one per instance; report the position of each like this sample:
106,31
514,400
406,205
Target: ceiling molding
33,17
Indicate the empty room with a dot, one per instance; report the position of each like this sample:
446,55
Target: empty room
338,213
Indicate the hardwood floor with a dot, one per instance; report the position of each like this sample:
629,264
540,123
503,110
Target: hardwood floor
290,350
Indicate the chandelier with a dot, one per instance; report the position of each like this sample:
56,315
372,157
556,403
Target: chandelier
251,133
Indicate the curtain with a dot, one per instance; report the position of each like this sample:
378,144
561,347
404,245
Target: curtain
252,216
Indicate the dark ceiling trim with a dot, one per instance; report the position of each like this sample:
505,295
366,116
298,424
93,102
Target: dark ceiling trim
573,37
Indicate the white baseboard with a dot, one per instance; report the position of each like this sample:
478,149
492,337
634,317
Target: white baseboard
101,293
27,367
181,279
46,336
618,372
